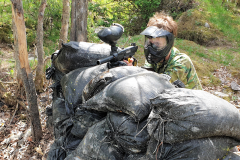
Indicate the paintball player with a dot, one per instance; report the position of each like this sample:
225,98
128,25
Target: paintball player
162,57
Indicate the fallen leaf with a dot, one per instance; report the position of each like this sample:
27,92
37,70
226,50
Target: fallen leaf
29,139
39,150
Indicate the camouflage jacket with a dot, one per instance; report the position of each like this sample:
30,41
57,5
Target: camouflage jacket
179,66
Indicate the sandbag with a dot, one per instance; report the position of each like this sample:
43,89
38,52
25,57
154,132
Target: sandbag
74,82
59,116
127,133
99,82
78,123
97,145
136,156
83,120
75,55
212,148
56,91
182,114
63,146
130,95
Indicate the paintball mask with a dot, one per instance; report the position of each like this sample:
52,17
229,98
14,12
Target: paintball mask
158,43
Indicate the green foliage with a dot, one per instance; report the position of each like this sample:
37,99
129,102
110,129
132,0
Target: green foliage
132,14
11,73
147,7
51,23
5,12
234,98
33,63
31,36
191,48
223,18
31,8
6,35
217,54
189,12
104,13
11,64
92,35
50,47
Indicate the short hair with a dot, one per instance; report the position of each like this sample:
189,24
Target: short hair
162,20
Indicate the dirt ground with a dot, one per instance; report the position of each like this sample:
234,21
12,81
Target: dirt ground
15,132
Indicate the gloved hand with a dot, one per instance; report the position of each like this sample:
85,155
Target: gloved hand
116,64
179,84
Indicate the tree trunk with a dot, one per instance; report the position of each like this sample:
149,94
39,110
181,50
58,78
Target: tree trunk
65,23
17,63
26,75
73,21
39,71
79,15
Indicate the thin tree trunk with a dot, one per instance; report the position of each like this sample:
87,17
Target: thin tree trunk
26,75
39,71
238,3
16,51
65,23
81,15
73,21
79,20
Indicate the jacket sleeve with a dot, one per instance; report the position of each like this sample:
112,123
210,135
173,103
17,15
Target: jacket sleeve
183,69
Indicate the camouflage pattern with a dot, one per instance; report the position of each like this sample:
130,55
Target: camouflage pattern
179,66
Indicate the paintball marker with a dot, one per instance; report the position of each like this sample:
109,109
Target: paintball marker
111,35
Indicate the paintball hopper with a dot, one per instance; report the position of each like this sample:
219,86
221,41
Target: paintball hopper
111,34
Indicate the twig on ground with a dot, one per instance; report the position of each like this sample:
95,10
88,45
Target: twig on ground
14,114
8,82
23,105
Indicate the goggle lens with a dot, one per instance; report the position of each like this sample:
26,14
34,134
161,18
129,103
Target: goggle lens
158,43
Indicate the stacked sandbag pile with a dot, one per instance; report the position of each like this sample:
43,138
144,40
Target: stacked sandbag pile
124,94
76,57
128,113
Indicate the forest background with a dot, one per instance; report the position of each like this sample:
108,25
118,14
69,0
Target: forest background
208,31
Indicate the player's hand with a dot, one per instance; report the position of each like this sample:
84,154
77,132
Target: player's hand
129,62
